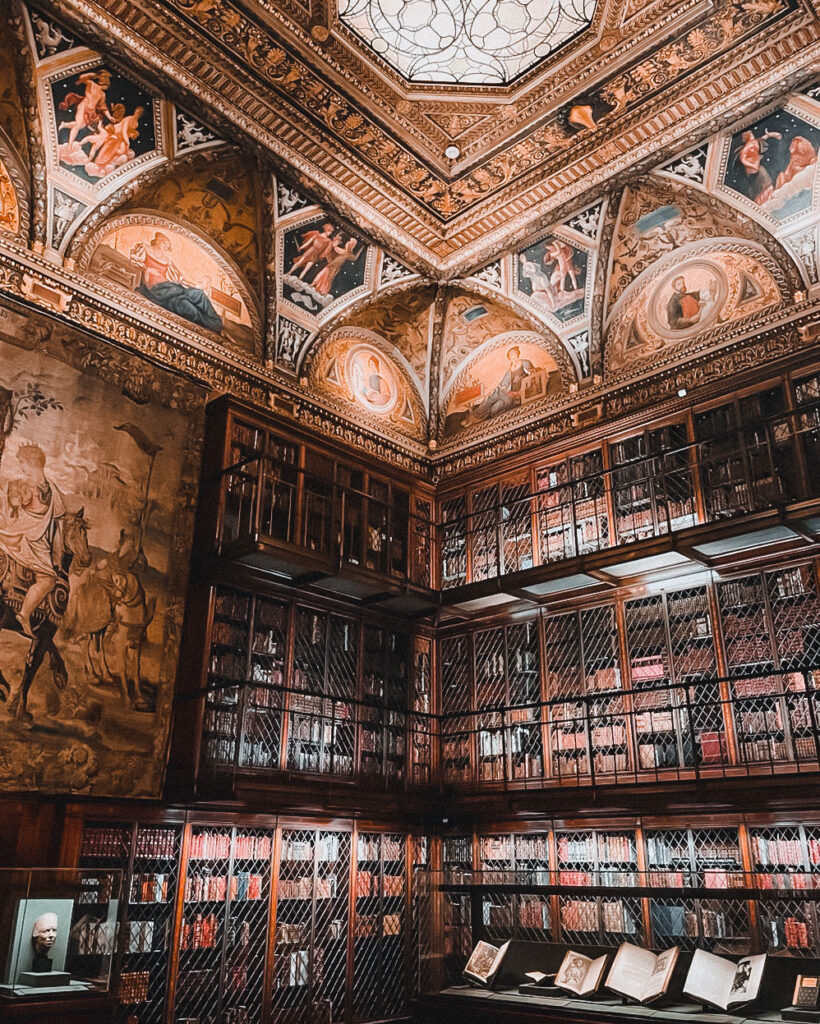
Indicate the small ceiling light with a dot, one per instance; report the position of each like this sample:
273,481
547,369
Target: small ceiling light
681,392
452,152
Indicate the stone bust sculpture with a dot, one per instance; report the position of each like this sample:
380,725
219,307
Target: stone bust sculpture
43,937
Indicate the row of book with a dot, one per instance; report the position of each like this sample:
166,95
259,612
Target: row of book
325,847
232,605
151,887
202,932
106,841
610,848
140,936
368,925
302,888
367,884
244,885
368,848
583,916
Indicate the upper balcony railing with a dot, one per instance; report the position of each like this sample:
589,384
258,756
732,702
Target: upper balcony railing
387,532
264,499
748,470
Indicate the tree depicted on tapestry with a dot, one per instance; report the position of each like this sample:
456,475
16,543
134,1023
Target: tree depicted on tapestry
90,513
172,268
104,121
322,261
773,163
553,272
512,375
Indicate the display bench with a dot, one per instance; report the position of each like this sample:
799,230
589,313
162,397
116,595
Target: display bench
506,1003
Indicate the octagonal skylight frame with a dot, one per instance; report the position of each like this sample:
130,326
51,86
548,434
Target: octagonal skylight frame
465,42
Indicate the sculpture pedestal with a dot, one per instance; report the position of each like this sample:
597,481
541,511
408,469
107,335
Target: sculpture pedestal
44,979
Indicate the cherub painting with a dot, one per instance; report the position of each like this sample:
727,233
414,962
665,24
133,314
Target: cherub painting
553,272
773,163
104,121
322,262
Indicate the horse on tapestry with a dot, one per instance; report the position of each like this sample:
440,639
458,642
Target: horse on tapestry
69,546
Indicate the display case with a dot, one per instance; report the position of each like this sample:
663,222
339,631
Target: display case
58,933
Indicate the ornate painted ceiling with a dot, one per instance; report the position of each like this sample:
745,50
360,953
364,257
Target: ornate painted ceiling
251,193
293,77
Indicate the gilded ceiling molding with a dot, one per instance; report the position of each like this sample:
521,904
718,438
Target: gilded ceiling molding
270,296
19,179
27,77
109,206
776,52
440,305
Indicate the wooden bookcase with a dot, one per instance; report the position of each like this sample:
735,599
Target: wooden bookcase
149,857
380,926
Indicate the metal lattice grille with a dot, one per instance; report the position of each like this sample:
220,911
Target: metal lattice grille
790,925
497,862
795,615
453,543
147,908
420,738
227,672
202,935
262,711
516,527
565,678
380,935
483,536
457,862
662,734
145,936
491,692
490,669
423,942
310,955
246,926
745,626
456,695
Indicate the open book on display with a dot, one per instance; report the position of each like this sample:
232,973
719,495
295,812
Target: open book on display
724,983
484,963
640,974
580,974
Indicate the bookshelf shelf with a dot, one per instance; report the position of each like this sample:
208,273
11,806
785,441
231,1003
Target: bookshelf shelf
223,931
380,927
149,856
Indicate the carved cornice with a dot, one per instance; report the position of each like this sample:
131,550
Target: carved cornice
28,278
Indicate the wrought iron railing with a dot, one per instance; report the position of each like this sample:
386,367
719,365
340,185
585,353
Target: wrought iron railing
735,726
739,726
751,469
263,498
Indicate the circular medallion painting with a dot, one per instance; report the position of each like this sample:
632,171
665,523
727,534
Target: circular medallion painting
688,299
372,379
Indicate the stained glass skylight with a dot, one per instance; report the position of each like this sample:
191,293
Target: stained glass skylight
473,42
